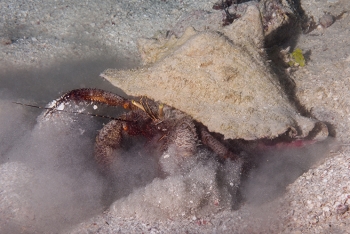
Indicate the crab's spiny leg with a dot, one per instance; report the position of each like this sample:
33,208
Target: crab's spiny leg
110,136
222,151
93,95
108,139
184,137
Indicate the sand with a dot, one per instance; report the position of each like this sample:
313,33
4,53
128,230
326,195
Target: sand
50,47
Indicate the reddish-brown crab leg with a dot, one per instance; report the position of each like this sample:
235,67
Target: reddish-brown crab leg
92,95
215,145
110,136
108,139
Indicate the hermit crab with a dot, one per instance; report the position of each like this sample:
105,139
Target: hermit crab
155,121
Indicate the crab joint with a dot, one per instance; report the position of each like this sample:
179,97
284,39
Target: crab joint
125,127
160,111
127,106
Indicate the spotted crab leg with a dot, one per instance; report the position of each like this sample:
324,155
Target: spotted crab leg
107,141
222,151
184,137
92,95
110,137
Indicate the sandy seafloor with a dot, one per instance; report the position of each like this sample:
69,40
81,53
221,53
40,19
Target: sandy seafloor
49,47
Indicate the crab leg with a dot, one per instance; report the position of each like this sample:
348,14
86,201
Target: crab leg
184,137
110,136
93,95
108,139
222,151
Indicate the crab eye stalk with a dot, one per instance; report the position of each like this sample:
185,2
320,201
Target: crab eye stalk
161,111
137,104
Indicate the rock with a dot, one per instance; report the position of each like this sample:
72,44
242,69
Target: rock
221,79
280,20
327,20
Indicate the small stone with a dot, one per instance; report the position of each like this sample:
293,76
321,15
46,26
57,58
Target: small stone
5,41
341,209
327,20
314,219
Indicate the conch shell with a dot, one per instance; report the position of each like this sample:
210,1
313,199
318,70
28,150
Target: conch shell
220,78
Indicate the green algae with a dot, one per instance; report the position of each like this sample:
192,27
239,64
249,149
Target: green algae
297,58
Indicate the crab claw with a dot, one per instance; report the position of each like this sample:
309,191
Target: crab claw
92,95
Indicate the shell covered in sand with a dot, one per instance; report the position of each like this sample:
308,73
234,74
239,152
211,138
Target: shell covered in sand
221,79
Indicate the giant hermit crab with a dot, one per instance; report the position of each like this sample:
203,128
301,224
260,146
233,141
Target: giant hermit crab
166,126
148,118
228,71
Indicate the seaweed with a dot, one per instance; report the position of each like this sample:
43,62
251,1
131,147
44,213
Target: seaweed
297,58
